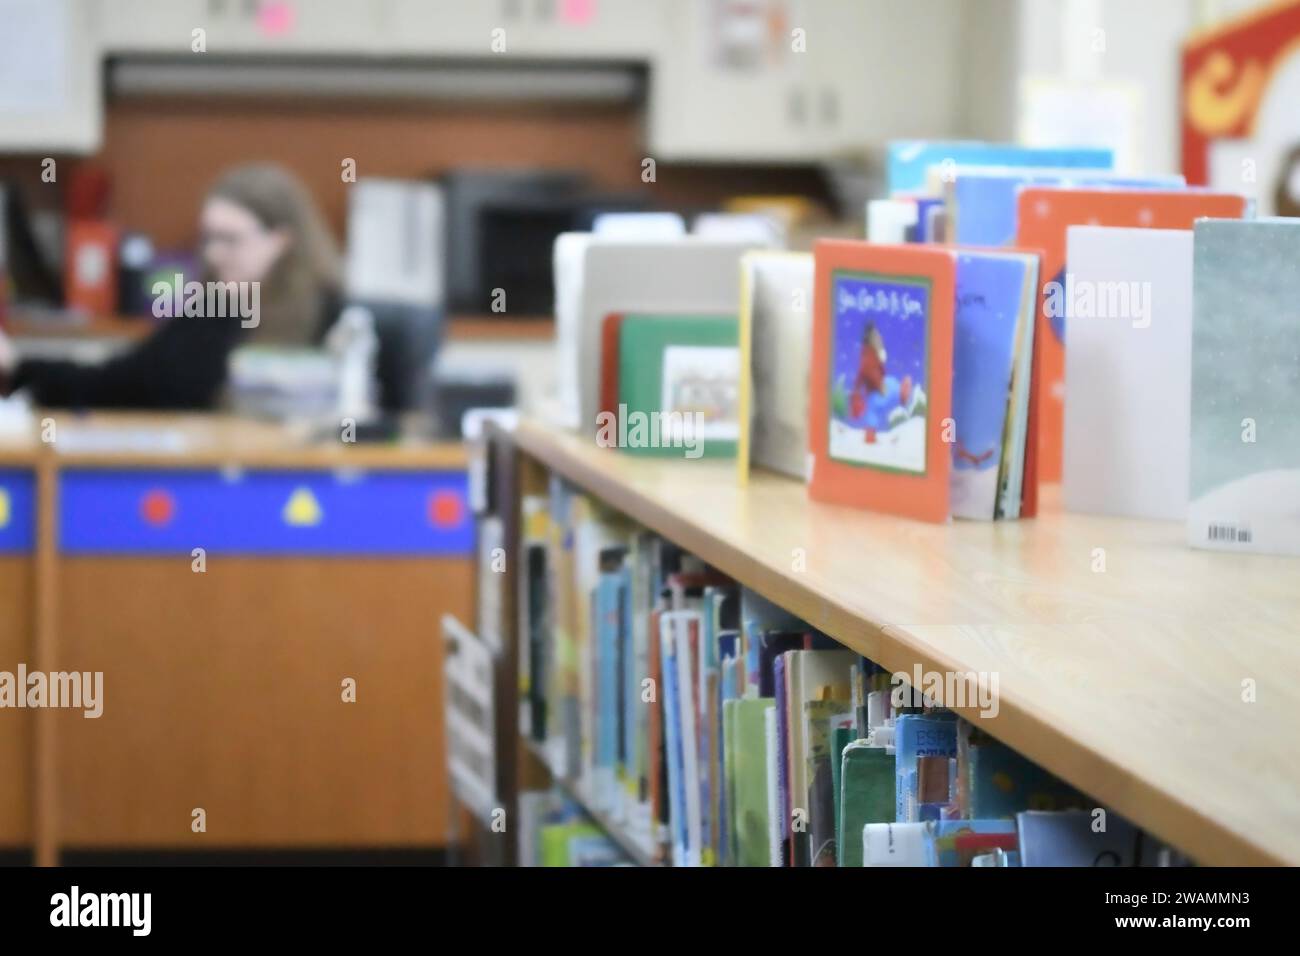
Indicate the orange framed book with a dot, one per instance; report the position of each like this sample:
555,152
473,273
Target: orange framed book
881,377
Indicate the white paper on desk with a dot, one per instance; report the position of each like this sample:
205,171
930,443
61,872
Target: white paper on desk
1128,378
82,439
33,56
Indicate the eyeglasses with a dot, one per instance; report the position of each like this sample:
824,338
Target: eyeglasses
230,240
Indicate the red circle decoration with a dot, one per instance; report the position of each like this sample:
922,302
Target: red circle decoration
446,509
157,507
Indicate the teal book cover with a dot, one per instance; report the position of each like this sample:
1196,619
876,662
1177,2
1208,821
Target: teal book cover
1244,450
996,783
678,387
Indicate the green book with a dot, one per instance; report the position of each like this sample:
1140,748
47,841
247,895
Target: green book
750,769
867,795
841,737
557,838
679,385
729,743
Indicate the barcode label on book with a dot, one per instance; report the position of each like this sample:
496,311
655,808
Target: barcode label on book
1228,532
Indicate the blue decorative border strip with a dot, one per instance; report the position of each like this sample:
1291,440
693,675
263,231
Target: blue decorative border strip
129,512
17,511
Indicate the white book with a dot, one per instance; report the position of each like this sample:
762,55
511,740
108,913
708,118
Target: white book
889,219
1128,367
775,355
893,844
567,260
773,787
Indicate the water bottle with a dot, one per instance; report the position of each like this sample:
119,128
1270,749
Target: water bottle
354,341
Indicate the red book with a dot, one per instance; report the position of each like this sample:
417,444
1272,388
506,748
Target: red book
610,330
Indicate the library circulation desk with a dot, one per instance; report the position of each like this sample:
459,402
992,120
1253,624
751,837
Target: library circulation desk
1126,678
224,688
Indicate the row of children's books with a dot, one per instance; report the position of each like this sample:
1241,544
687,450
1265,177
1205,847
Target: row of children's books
714,728
1016,316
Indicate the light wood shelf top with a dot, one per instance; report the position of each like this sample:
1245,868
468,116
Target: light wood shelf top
197,440
1127,682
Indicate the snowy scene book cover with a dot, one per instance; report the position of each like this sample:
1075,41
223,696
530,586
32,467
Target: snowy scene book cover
1245,435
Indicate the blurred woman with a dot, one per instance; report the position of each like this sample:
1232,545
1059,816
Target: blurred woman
257,225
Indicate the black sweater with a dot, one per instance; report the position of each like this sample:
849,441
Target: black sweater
181,365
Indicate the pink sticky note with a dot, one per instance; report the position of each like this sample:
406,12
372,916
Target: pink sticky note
577,12
275,18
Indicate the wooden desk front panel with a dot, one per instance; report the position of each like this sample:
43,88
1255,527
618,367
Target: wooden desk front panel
223,691
17,585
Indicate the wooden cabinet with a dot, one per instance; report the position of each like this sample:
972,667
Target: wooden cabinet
532,29
815,77
242,26
730,91
884,70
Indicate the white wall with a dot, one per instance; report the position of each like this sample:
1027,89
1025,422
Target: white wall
1056,39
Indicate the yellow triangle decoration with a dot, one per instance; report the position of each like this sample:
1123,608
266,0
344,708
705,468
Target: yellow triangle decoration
302,509
4,508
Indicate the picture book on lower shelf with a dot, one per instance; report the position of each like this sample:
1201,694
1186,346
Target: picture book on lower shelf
922,380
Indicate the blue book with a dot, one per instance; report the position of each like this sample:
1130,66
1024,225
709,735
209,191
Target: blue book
982,211
917,738
630,689
909,161
993,327
1076,838
758,615
941,839
673,742
783,756
608,618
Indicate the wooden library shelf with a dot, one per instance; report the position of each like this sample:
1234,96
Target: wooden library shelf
1161,680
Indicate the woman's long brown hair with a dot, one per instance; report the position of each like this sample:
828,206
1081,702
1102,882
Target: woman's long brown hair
308,271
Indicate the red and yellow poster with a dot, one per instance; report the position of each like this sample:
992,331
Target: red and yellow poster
1238,85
